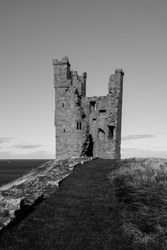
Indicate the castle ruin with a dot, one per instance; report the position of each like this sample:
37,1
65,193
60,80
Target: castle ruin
88,126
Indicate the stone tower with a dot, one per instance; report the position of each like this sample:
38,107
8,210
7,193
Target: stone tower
86,125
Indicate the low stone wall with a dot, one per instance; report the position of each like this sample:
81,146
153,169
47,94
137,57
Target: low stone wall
19,197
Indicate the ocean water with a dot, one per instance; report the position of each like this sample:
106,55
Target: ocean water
10,170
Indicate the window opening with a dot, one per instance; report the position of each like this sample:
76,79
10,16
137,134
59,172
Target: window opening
92,106
102,113
78,125
78,101
101,134
63,104
111,132
64,130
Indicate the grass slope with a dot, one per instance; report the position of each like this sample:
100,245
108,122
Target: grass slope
82,214
140,187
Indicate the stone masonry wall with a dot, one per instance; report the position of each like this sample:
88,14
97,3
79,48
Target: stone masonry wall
69,89
88,126
115,116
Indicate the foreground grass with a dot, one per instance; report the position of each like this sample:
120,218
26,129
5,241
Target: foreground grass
103,204
82,214
140,187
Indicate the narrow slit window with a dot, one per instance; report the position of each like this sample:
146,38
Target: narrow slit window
63,104
111,132
79,101
102,112
78,125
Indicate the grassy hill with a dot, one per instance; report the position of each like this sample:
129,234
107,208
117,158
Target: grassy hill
102,204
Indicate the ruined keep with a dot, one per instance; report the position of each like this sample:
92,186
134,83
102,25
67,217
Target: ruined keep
88,126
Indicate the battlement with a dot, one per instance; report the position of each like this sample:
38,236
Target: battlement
63,61
119,71
86,126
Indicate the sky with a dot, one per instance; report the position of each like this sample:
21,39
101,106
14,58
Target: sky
98,37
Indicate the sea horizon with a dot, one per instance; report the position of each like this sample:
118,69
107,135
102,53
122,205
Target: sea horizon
12,169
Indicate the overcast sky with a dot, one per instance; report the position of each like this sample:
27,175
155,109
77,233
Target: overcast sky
98,37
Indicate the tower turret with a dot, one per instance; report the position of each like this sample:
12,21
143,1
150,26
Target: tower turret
62,72
115,95
69,90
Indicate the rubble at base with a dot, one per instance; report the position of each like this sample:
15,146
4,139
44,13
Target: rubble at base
22,195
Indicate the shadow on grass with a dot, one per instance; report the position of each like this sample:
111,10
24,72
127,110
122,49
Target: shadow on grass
21,214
